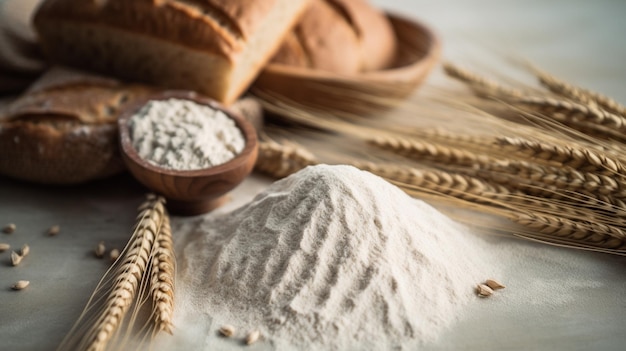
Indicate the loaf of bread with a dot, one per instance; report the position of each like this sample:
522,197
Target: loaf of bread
340,36
63,130
215,47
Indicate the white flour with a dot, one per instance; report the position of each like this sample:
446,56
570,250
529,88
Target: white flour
330,258
183,135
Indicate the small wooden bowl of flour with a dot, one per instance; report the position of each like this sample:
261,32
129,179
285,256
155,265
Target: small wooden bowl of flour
189,149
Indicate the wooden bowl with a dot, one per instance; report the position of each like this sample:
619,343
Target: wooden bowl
190,192
418,52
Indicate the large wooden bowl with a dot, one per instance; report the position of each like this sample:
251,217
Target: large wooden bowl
197,191
418,52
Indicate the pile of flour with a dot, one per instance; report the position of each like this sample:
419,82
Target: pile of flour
332,258
183,135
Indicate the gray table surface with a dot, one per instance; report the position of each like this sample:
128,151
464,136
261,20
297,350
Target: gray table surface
578,40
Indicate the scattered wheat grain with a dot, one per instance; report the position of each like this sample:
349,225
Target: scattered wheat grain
15,258
494,285
4,247
227,330
100,250
9,228
114,254
483,290
25,250
20,285
253,337
54,230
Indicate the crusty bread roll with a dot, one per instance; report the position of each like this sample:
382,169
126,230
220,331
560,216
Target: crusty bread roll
340,36
63,130
216,47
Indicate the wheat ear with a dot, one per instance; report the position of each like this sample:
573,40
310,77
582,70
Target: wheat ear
418,150
479,83
129,274
595,234
581,95
582,159
575,114
280,160
162,271
450,184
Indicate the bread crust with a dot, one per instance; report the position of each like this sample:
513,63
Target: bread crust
217,26
340,36
215,47
64,129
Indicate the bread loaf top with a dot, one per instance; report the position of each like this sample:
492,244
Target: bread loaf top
219,26
340,36
61,94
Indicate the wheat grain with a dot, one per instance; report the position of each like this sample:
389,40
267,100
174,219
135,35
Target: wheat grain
54,230
494,285
483,290
25,250
9,228
162,271
20,285
227,330
15,258
253,337
4,247
99,250
281,160
114,255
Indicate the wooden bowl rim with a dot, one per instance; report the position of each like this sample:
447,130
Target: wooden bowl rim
240,160
431,54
